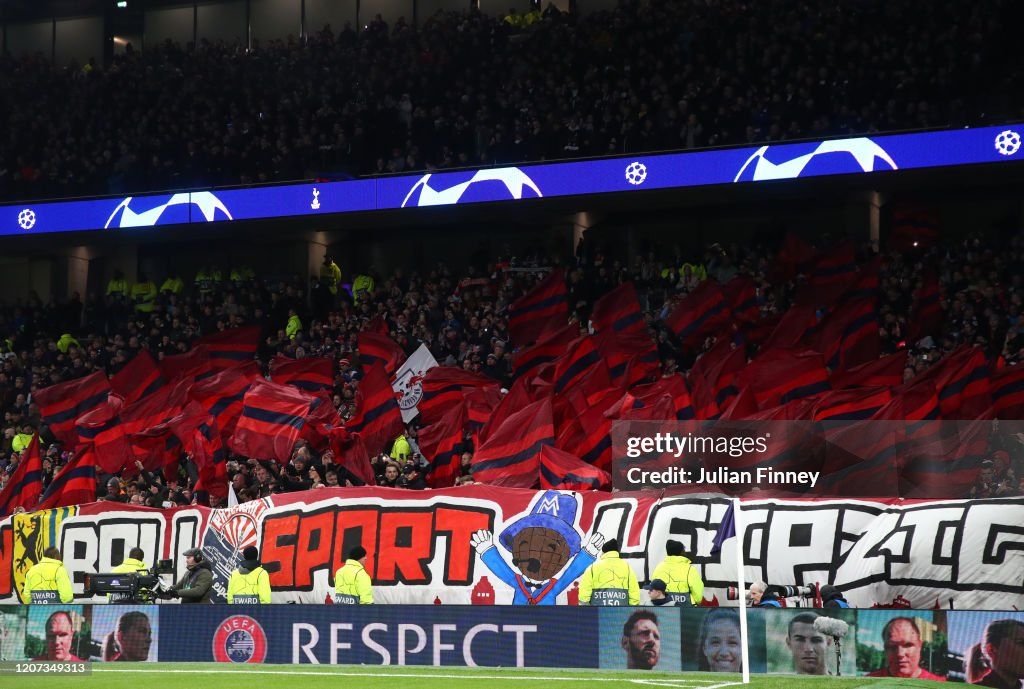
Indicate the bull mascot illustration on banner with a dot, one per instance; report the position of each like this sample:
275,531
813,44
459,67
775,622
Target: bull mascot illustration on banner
542,543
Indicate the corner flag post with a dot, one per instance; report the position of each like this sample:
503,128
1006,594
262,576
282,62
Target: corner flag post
731,527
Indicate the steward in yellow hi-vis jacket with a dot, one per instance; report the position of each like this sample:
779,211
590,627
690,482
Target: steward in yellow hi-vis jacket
132,563
250,583
610,580
351,582
330,275
683,582
144,295
47,582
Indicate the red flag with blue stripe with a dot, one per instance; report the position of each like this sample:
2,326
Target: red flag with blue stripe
560,470
378,418
75,484
619,311
26,483
273,416
139,378
231,347
510,457
60,405
311,374
542,309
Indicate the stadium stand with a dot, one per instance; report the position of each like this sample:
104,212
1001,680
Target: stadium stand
936,316
467,89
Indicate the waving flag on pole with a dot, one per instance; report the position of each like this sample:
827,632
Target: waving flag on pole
273,416
139,378
379,349
543,308
310,374
560,470
75,484
408,381
231,347
26,484
726,530
62,404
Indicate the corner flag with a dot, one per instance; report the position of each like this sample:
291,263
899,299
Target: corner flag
726,530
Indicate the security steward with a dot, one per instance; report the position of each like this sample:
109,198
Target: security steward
117,287
144,295
330,275
47,582
132,563
250,583
172,285
351,582
610,580
685,586
362,288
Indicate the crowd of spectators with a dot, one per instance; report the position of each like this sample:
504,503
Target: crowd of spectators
461,315
467,89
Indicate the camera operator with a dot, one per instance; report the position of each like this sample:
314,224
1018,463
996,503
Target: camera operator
133,563
197,583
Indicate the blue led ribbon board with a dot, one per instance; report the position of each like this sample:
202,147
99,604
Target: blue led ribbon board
861,155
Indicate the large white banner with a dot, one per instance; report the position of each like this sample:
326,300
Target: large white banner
475,544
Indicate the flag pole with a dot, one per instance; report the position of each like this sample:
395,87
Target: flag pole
741,590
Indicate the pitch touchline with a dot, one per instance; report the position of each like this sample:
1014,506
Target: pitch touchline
426,674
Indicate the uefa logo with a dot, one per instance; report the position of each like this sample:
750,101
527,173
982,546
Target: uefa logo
240,639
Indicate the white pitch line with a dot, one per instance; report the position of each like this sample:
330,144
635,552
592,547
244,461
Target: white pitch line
246,671
681,683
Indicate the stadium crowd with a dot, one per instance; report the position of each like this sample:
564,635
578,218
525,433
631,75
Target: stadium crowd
462,316
467,89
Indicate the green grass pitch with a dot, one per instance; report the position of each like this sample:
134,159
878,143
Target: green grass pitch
225,676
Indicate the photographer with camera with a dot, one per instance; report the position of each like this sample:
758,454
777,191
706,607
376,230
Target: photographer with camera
760,597
772,596
831,597
196,585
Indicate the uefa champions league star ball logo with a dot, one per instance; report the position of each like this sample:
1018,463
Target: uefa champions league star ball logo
825,158
1008,142
500,184
636,173
27,219
240,639
209,207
